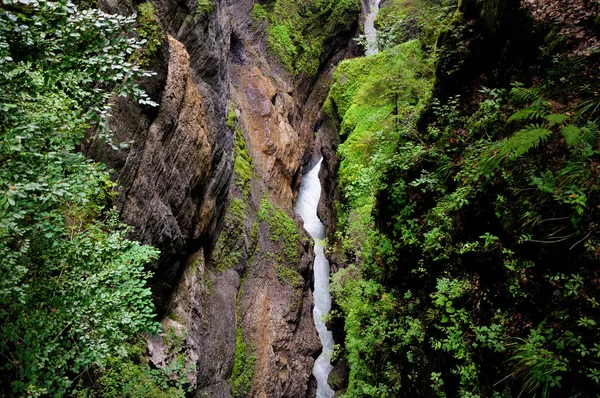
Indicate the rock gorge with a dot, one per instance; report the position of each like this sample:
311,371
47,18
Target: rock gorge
225,100
457,150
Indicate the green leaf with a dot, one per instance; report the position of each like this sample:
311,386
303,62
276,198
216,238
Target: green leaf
572,135
526,114
556,118
524,140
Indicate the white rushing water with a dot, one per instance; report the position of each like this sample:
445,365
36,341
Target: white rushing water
370,8
306,207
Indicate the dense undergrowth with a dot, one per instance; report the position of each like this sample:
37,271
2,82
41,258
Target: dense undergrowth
468,221
74,303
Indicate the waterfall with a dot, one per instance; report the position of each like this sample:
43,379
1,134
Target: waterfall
370,8
306,207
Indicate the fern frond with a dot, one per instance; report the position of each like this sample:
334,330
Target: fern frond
572,135
589,133
556,118
524,140
527,114
522,95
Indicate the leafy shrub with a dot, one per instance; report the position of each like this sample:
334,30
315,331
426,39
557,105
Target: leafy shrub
72,287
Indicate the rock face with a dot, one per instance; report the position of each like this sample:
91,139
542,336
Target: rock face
233,282
165,199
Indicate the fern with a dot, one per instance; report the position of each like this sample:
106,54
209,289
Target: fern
522,95
572,135
530,113
555,118
589,133
545,183
524,140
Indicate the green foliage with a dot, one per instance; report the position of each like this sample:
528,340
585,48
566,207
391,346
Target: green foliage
204,7
149,32
297,32
259,13
405,20
243,366
466,222
133,376
280,42
538,367
231,244
524,140
290,277
590,108
243,163
231,116
376,99
522,95
282,230
72,287
372,319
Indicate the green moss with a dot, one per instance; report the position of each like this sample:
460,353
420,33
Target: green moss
243,163
149,30
281,43
290,277
434,213
230,246
175,317
373,96
243,365
254,235
298,30
195,266
231,119
404,20
282,230
204,7
208,287
259,13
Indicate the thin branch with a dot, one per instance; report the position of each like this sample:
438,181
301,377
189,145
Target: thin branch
545,241
498,382
555,219
589,233
554,233
562,237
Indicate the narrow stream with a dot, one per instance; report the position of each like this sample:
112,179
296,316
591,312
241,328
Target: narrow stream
370,8
306,207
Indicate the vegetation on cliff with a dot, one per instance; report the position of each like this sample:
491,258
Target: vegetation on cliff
469,205
297,32
73,293
467,225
